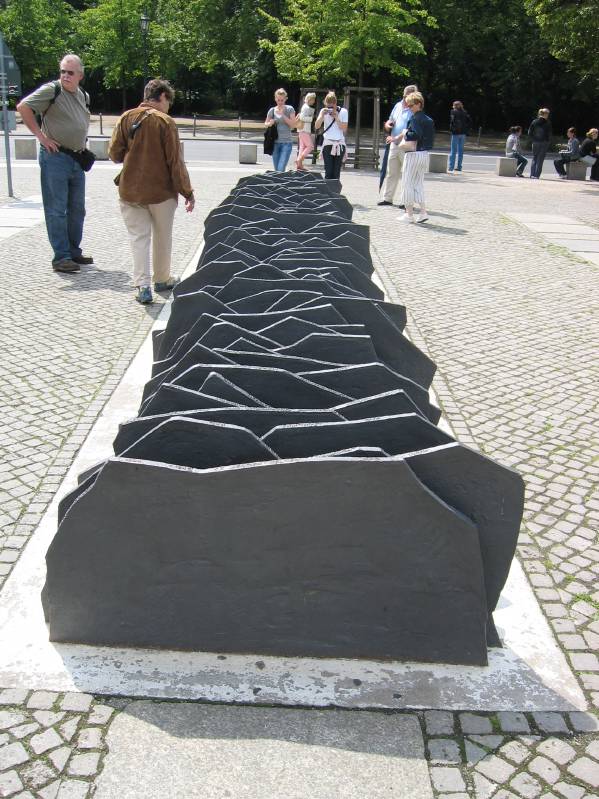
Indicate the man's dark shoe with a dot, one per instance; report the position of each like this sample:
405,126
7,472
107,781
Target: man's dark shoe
384,202
402,207
65,265
167,285
84,260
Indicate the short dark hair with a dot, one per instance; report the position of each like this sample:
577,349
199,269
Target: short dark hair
156,87
572,130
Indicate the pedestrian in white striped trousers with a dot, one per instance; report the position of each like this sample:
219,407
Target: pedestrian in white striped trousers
415,166
417,142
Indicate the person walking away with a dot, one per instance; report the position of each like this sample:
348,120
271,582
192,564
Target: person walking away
305,135
571,153
334,118
540,132
396,127
512,149
459,127
64,110
588,152
418,141
283,116
145,140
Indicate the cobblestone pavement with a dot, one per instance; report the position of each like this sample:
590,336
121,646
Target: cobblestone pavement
511,322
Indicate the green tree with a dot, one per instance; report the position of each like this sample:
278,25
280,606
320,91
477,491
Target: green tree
571,27
111,39
318,42
39,33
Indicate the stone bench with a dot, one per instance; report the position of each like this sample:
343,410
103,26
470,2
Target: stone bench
248,153
576,170
437,162
506,166
99,148
26,149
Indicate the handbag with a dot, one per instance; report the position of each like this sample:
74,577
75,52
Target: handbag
86,159
407,146
271,134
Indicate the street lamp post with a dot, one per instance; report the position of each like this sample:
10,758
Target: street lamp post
144,22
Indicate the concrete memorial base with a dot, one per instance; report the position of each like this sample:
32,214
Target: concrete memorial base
248,153
576,170
26,149
99,148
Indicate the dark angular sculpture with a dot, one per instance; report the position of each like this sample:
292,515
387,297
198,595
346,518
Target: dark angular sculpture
284,489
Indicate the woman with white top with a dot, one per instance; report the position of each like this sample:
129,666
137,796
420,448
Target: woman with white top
334,120
306,137
283,116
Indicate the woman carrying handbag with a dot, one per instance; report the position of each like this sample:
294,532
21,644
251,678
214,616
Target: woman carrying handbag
417,142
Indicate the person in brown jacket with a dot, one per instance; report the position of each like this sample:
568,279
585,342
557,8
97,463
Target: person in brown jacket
145,140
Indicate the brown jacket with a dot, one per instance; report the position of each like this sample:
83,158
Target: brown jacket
153,170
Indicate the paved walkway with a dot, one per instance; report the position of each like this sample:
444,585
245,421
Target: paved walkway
509,316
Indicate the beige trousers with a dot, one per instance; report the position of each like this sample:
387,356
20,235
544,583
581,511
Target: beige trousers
150,224
394,169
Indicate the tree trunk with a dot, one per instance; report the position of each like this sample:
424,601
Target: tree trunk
359,111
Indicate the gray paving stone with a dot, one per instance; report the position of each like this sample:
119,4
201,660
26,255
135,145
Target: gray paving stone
49,739
473,723
439,722
550,722
50,791
515,752
42,700
84,765
100,714
13,696
10,783
490,741
495,768
545,769
510,721
483,788
46,718
526,786
69,728
447,779
474,753
444,750
37,774
80,703
59,757
568,790
557,750
586,770
24,730
90,738
12,755
73,789
223,749
10,718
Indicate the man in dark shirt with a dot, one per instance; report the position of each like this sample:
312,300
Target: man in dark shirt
540,132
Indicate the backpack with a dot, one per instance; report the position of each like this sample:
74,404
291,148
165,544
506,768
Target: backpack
57,90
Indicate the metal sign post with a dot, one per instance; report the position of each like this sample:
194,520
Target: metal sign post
10,84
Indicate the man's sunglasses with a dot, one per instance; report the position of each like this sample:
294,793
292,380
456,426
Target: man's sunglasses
70,72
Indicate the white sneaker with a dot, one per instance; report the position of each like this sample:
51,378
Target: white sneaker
422,217
405,218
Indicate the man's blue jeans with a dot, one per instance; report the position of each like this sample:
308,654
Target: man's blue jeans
456,149
63,195
280,155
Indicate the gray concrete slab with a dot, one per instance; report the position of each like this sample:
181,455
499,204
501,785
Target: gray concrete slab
212,751
577,245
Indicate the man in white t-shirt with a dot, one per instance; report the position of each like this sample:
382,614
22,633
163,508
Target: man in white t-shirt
334,120
396,126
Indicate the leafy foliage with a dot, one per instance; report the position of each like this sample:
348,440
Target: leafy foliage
318,42
39,33
572,29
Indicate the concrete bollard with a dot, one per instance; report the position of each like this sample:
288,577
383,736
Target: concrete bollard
437,162
26,149
506,166
99,148
576,170
248,153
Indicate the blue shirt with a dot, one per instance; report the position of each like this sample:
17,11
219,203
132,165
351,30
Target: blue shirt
400,116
